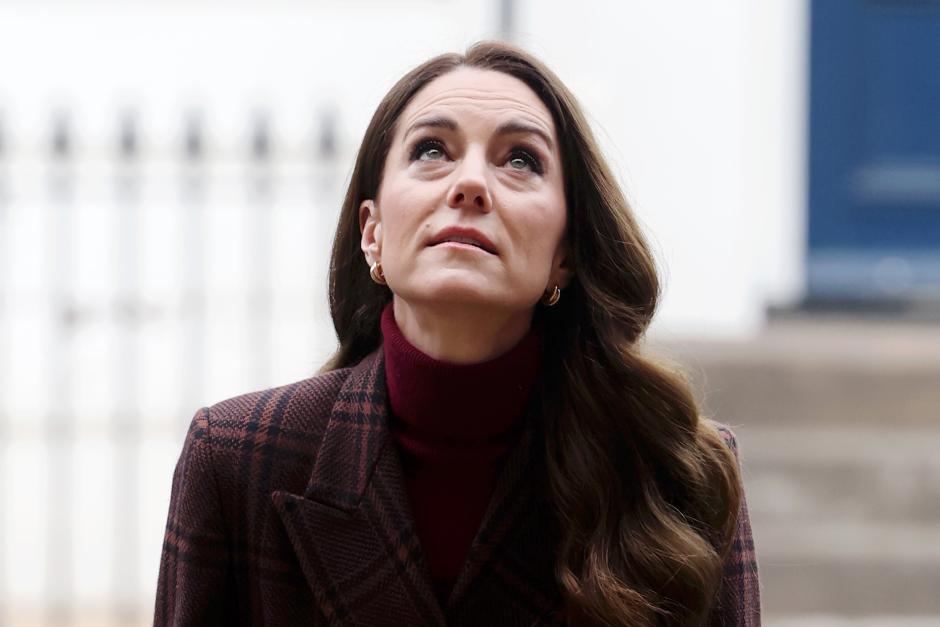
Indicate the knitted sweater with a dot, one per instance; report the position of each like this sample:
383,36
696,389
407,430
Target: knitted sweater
454,424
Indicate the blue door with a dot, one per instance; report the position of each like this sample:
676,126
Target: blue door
874,179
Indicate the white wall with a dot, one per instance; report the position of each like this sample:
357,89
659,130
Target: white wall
700,107
96,56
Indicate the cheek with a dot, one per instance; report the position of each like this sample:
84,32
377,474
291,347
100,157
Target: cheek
394,205
404,218
541,234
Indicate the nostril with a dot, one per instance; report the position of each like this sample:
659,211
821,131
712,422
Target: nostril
479,200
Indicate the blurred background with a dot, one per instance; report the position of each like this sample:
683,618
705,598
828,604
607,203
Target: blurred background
170,178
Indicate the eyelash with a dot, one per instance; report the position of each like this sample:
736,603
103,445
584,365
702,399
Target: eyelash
423,144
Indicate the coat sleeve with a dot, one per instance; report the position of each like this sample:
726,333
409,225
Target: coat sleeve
194,565
738,602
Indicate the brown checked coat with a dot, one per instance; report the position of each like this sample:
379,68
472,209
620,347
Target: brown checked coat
289,508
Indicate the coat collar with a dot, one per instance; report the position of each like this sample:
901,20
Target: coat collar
354,536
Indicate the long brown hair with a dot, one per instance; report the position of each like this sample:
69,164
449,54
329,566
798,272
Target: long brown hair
644,490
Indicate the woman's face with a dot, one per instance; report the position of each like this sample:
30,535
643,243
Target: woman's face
475,150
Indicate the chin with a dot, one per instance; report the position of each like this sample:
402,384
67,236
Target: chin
453,295
467,290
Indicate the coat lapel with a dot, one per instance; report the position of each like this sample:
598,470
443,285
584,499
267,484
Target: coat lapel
353,532
352,529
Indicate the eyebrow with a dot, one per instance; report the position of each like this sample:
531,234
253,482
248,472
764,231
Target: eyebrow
511,127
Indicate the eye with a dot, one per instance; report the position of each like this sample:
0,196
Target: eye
520,159
428,150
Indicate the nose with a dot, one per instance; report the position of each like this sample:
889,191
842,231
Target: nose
470,190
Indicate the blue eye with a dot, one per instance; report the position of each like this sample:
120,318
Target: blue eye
520,159
428,150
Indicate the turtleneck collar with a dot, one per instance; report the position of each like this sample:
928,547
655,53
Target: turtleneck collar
451,401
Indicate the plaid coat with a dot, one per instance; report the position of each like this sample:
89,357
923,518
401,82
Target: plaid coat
289,508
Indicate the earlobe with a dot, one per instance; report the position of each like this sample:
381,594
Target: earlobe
564,268
564,278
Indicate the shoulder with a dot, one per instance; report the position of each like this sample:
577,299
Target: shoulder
725,431
299,405
265,427
239,449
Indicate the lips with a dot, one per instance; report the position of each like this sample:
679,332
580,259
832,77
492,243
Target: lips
464,235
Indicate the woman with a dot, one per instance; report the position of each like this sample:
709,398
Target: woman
488,445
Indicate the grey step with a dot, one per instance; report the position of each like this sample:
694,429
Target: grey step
846,565
838,423
825,473
817,372
846,520
854,589
847,541
834,620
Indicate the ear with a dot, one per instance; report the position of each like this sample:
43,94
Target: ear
562,266
371,229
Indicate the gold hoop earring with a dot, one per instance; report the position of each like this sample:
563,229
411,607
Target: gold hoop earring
376,273
552,297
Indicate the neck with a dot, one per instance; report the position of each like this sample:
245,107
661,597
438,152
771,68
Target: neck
460,334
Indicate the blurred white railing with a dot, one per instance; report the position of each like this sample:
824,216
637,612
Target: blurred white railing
140,279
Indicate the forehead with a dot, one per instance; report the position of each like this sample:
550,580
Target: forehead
478,92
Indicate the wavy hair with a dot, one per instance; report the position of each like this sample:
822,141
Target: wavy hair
644,490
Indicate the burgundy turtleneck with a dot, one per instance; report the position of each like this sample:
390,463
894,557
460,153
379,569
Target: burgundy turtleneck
454,424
